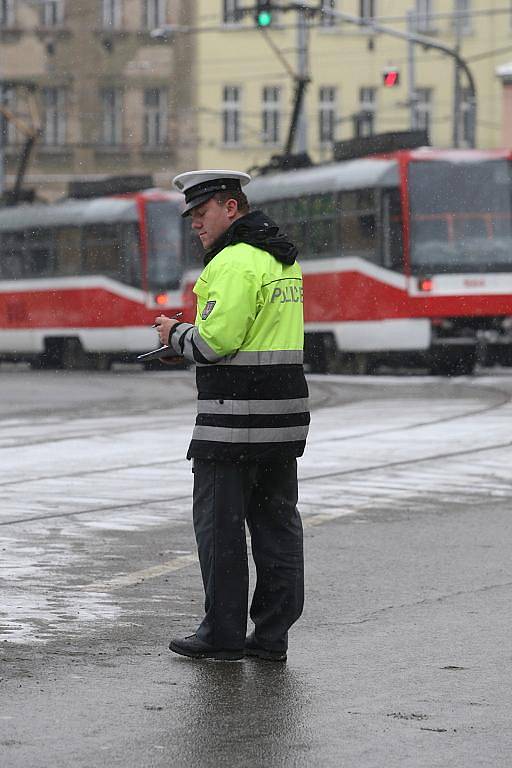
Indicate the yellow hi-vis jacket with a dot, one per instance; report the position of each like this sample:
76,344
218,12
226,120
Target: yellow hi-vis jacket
247,343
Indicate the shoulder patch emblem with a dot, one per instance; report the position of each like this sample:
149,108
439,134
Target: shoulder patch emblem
208,307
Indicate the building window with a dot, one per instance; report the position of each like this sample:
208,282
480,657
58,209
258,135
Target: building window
111,14
6,13
423,15
154,13
423,109
462,19
229,12
54,116
365,118
231,129
327,114
52,13
7,127
367,9
112,101
328,5
155,117
271,115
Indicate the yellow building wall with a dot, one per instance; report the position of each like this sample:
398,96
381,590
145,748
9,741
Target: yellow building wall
348,58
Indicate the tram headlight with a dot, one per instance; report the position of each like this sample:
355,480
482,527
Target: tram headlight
425,284
161,299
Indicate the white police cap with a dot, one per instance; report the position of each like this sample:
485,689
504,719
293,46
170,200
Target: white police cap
199,186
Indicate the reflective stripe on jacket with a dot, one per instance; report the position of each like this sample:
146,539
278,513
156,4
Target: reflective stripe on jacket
247,343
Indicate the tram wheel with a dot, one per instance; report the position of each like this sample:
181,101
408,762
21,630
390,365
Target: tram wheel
73,355
453,363
100,362
320,352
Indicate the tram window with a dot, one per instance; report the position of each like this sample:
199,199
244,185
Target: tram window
101,250
470,227
165,258
276,211
193,249
300,208
358,224
358,200
430,230
68,260
130,256
294,223
39,252
11,258
270,210
296,232
323,226
392,230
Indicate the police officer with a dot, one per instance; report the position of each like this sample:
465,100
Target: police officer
252,419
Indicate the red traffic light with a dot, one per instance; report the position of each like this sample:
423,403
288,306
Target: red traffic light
391,78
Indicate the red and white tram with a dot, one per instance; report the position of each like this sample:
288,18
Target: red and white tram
82,280
407,257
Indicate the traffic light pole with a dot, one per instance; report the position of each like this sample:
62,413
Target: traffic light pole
426,42
457,90
301,84
411,79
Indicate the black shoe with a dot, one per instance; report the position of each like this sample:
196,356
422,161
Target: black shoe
197,649
253,648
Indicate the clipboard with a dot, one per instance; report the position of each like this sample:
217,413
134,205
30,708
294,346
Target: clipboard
156,354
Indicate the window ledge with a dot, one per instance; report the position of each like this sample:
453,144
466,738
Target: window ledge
112,149
12,149
11,34
146,35
159,149
59,31
112,31
54,149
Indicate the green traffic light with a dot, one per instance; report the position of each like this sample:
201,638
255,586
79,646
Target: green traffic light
264,18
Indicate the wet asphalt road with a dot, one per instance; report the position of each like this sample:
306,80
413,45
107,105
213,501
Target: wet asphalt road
402,656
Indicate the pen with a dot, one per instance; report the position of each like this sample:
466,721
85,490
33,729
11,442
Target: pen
174,317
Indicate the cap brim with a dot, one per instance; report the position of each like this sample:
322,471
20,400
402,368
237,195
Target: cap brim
199,200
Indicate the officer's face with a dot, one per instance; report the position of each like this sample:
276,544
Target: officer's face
211,220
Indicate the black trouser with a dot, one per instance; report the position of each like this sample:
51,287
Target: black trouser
264,494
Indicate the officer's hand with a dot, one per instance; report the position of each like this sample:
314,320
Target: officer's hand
163,326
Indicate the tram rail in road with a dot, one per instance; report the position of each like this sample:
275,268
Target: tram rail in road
405,490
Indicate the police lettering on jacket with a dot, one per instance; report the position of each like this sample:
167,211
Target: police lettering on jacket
294,293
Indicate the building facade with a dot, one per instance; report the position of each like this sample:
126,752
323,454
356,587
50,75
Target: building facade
245,90
105,96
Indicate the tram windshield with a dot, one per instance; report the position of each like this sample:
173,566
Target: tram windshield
461,216
165,260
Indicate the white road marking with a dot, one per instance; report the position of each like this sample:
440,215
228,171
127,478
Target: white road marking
137,577
184,561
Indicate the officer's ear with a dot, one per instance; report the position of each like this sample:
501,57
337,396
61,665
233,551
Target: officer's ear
231,207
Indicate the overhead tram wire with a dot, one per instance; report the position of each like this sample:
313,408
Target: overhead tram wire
234,27
364,24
